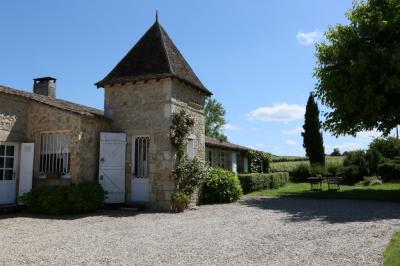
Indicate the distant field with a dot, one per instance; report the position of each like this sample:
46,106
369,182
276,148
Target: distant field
290,165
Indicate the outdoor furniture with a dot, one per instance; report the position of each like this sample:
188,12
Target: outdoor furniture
315,182
334,182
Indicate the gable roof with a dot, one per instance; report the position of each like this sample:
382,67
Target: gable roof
154,56
53,102
212,142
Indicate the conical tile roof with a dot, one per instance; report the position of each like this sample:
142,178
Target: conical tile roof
153,56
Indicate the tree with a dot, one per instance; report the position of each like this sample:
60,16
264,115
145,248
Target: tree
214,119
312,135
336,152
358,69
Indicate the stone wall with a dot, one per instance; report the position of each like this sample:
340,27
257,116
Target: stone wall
144,109
13,118
89,146
85,137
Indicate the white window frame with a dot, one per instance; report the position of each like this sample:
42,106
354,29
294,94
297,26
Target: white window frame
221,161
209,159
5,157
141,145
55,146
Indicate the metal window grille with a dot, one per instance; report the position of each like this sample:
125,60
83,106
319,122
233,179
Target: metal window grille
55,154
141,157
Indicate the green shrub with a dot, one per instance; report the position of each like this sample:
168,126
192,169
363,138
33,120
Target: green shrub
350,173
300,173
221,186
59,200
259,181
390,170
332,168
389,147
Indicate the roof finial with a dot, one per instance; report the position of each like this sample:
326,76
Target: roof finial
157,16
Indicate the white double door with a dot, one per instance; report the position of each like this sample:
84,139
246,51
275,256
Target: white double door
140,185
9,157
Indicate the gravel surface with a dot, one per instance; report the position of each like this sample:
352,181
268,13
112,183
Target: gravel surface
255,231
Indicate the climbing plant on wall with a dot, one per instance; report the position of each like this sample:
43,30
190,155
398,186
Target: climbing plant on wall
188,173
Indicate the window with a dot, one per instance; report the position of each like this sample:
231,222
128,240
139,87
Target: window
55,154
221,162
190,148
141,157
7,161
209,159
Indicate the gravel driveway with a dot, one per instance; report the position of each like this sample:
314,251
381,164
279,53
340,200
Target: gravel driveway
255,231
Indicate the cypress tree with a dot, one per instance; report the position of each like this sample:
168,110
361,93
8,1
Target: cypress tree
312,135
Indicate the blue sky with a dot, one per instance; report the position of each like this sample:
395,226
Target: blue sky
257,57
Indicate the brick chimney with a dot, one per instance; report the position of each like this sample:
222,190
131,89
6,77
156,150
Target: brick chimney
45,86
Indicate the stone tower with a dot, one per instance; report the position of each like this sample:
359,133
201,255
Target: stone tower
150,83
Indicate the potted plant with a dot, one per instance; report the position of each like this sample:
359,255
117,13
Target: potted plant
180,201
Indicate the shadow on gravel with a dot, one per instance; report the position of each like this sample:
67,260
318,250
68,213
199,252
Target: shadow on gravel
332,211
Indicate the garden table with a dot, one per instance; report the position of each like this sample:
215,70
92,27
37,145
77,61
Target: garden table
315,182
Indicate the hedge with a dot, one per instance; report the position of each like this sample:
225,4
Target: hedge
259,181
59,200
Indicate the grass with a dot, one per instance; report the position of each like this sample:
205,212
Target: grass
385,192
392,252
290,165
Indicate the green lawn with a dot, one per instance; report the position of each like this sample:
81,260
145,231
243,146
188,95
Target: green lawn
392,252
387,192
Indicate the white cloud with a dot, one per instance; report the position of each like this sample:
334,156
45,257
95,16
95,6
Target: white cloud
278,112
260,146
293,131
291,142
369,134
307,38
230,127
346,146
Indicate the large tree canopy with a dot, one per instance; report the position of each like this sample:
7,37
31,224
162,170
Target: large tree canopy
358,69
214,119
312,135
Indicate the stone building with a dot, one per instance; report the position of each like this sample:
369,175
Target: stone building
49,141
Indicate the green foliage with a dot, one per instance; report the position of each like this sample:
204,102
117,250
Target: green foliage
390,170
358,73
259,181
392,252
278,159
180,197
389,147
301,172
290,166
312,135
214,119
258,161
58,200
350,173
336,152
189,174
221,186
